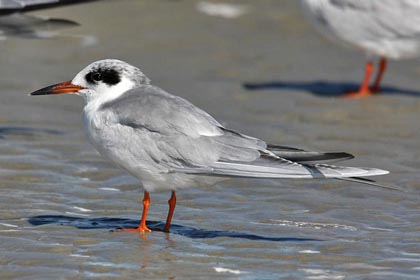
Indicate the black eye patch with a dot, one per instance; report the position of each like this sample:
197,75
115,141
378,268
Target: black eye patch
108,76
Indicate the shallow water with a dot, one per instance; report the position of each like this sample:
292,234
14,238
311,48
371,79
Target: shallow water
266,74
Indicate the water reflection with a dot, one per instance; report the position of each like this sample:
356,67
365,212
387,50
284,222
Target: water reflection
118,223
25,131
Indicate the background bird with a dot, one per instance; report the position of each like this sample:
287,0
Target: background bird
168,143
14,20
387,29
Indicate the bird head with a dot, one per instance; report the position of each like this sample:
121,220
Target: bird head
101,80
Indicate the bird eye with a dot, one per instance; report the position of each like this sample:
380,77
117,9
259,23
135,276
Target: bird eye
107,76
97,76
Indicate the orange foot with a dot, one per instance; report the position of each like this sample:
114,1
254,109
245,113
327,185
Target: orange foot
359,94
138,229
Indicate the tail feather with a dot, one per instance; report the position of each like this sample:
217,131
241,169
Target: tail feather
370,182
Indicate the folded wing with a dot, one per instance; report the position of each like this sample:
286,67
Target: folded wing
180,137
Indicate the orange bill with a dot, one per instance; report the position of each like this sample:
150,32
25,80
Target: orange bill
65,87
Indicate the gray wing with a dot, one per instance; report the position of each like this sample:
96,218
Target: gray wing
176,133
183,138
153,109
19,4
12,6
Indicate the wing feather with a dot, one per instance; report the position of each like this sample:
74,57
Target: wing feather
179,137
302,156
283,169
151,107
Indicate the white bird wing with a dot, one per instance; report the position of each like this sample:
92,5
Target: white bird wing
400,18
385,27
387,18
183,138
19,4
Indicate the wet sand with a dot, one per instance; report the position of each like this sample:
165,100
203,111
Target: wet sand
266,74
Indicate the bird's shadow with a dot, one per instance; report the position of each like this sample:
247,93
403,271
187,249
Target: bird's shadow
119,223
324,88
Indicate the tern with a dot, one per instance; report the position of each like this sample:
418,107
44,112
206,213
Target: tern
14,20
388,29
168,143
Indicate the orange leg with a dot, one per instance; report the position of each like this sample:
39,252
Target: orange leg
364,88
142,226
382,68
172,204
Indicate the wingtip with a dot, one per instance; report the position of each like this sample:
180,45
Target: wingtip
350,156
344,155
376,172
